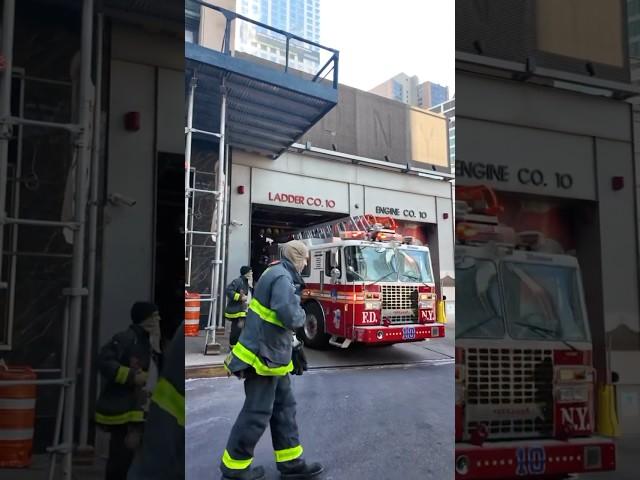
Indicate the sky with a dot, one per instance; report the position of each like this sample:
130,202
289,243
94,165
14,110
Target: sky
378,39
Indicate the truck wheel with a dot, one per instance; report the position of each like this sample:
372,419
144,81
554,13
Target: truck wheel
313,333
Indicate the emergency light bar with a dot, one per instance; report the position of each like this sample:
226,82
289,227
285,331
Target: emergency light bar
353,235
387,236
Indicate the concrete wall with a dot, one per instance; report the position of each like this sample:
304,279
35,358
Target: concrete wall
147,77
372,126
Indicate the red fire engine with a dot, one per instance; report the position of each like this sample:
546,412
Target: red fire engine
368,284
524,376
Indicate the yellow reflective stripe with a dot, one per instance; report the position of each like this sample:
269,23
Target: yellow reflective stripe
131,416
264,313
250,358
234,464
122,374
236,296
288,454
169,399
235,315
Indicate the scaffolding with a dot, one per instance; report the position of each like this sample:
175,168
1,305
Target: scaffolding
85,158
218,225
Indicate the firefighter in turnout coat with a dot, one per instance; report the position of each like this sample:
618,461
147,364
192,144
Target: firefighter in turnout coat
263,357
128,363
238,292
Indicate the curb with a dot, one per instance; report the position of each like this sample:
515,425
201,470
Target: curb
204,371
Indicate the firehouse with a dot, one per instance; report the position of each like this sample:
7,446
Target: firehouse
544,253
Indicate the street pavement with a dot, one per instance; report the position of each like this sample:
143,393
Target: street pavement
387,415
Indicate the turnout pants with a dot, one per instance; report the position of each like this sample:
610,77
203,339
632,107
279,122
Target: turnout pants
268,401
236,330
120,457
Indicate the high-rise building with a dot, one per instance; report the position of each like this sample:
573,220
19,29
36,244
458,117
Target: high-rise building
409,90
402,88
431,94
448,109
300,17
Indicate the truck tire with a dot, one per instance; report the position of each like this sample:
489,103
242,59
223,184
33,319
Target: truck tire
313,334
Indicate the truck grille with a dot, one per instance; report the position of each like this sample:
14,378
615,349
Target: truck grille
399,297
505,383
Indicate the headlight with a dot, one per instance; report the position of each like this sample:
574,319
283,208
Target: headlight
580,374
426,297
372,305
572,394
462,465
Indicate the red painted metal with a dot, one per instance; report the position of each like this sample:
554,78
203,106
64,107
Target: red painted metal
501,460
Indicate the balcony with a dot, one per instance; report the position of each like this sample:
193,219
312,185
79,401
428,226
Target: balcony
269,105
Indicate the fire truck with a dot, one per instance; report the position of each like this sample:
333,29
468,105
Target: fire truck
524,377
366,283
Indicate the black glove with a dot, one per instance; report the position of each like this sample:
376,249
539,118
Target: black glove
299,360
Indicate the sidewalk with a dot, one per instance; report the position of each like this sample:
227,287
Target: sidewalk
199,365
40,469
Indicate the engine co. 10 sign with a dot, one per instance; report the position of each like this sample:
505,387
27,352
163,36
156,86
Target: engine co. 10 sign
401,212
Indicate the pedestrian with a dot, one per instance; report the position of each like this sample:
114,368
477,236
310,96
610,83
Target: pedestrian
238,295
263,358
129,364
161,456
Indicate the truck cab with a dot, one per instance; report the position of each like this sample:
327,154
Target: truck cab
524,372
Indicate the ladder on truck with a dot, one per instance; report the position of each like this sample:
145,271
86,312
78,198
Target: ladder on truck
358,223
218,231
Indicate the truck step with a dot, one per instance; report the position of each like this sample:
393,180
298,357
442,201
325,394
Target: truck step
344,344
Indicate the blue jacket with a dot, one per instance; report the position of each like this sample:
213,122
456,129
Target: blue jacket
274,313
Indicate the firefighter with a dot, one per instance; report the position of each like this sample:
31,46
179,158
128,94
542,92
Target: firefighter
238,294
263,357
129,363
162,453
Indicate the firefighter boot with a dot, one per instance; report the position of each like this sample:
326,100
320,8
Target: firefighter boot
298,469
251,473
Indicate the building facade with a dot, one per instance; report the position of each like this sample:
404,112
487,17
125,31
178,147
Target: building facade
408,89
448,109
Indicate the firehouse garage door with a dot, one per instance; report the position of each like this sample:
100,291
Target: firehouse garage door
417,216
282,203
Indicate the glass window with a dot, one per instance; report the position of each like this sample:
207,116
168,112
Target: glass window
543,302
306,271
327,263
369,263
480,315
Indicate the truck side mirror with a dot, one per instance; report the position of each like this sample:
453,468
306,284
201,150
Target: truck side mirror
334,258
335,275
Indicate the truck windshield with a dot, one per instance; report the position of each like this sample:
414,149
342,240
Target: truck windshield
479,315
543,302
373,263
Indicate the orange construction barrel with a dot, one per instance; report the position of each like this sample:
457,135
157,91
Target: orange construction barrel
191,314
17,417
